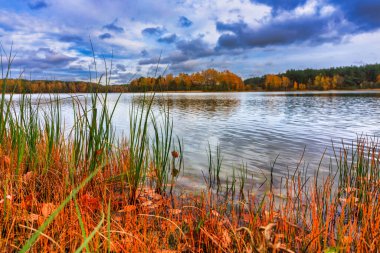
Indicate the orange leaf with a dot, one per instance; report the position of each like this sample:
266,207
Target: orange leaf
27,202
28,176
8,197
147,203
130,208
89,201
226,239
215,213
6,160
47,209
174,211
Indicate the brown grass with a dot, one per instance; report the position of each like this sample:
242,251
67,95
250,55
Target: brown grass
309,216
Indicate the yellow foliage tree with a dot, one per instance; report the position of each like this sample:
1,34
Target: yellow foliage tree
295,85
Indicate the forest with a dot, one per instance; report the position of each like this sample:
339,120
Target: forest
351,77
206,80
50,86
343,78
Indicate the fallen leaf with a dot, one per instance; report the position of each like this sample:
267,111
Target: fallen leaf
47,209
153,206
8,197
166,251
246,217
33,217
130,208
89,201
147,203
6,160
27,202
226,239
215,213
174,211
156,196
268,231
27,177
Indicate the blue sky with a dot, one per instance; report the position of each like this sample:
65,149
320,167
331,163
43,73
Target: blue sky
249,37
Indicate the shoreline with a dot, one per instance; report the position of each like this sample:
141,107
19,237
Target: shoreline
260,91
200,91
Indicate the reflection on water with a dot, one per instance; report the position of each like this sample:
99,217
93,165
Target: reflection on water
255,128
213,104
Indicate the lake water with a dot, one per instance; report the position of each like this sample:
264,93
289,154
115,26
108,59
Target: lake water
255,128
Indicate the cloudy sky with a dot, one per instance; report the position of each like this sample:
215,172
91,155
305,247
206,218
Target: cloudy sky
249,37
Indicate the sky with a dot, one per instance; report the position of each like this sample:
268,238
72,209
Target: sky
52,38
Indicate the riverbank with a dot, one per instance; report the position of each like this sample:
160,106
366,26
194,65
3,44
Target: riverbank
272,91
200,91
87,191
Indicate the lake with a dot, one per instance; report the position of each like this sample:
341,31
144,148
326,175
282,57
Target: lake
256,128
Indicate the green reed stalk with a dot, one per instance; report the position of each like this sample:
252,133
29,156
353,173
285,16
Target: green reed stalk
138,146
161,147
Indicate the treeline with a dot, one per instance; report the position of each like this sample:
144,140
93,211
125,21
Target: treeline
48,86
352,77
207,80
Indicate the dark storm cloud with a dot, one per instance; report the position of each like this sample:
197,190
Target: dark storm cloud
350,17
43,58
105,36
363,13
304,29
36,5
184,21
281,4
187,50
121,67
185,67
174,58
196,48
123,78
144,53
113,27
168,38
70,38
153,31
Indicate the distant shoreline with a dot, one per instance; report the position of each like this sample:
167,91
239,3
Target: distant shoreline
257,91
200,91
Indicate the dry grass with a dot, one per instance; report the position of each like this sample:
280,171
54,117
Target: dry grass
308,216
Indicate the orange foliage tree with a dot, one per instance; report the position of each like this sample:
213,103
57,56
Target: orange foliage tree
208,80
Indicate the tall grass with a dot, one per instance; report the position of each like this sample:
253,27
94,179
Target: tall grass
138,153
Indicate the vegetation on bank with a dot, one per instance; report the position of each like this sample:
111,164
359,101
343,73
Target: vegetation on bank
207,80
49,86
340,78
86,190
